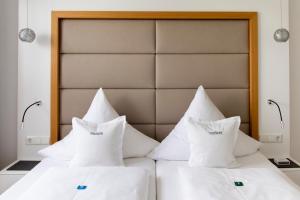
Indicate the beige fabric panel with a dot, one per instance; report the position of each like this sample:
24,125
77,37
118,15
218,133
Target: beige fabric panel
64,130
151,68
171,104
192,70
163,130
137,104
202,36
107,71
245,128
147,129
108,36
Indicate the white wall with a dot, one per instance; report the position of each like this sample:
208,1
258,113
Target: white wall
8,80
295,77
34,66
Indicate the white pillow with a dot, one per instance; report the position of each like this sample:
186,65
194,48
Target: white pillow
246,145
98,144
136,144
175,146
212,142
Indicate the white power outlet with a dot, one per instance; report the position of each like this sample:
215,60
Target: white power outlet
32,140
37,140
271,138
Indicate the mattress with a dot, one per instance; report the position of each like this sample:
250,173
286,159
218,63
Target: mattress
22,185
167,178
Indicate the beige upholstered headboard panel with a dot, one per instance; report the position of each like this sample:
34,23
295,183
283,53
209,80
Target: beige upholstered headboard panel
150,67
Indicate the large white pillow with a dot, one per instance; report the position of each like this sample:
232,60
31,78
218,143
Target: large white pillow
136,144
98,144
175,146
212,142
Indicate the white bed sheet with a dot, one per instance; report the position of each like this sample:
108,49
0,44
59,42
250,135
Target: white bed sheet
167,177
14,192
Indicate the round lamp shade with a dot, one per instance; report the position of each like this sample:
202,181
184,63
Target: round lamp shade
281,35
27,35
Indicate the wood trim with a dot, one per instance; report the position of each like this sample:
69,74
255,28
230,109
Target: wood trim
253,53
253,73
54,79
151,15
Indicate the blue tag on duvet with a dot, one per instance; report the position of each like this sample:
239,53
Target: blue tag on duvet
81,187
238,183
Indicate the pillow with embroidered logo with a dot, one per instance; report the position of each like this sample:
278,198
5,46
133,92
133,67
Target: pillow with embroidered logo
212,143
175,146
136,144
98,144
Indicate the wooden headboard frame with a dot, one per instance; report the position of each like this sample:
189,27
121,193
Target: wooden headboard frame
57,16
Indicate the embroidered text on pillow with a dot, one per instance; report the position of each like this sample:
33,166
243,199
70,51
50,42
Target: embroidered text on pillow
215,132
96,133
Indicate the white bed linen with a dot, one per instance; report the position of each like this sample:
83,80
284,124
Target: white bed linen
167,176
14,192
90,183
236,184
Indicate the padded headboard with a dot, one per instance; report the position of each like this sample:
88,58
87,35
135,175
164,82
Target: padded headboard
150,65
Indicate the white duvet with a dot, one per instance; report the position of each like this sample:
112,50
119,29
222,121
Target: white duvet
92,183
219,184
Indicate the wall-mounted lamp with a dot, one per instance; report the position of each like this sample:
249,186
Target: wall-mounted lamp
37,103
272,102
27,34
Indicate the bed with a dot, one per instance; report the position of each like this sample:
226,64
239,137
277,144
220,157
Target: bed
149,65
26,182
168,180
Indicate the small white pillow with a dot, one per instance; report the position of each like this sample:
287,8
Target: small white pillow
136,144
98,144
212,142
175,146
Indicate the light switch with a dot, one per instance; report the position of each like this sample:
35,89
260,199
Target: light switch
33,140
37,140
271,138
